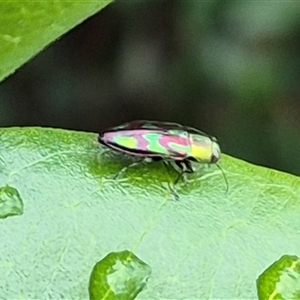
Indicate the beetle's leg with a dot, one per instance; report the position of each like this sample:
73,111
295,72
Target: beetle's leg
186,167
122,171
174,192
173,189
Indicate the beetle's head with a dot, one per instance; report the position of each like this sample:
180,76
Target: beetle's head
205,149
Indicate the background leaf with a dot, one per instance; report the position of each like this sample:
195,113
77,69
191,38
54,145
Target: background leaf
27,27
206,245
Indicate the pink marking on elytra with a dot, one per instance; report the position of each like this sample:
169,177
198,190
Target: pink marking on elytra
142,142
153,142
169,141
109,136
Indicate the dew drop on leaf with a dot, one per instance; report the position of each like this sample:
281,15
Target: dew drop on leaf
119,275
11,203
281,280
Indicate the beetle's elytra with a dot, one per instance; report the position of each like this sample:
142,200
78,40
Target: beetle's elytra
162,141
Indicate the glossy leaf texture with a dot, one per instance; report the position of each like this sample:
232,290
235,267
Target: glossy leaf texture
27,27
209,244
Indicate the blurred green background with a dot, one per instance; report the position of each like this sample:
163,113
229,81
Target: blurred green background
229,68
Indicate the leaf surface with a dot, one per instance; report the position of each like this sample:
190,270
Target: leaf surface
27,27
209,244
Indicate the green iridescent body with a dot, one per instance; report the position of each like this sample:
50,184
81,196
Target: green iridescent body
164,142
161,140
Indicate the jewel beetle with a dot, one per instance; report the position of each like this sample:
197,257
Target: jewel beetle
170,142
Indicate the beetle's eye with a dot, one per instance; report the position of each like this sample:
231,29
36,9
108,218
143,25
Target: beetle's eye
214,159
215,153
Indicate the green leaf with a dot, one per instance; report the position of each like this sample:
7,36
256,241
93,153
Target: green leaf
27,27
209,244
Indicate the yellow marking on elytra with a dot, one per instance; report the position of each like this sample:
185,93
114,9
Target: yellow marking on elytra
127,141
202,154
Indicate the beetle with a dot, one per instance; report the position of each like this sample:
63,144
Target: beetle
170,142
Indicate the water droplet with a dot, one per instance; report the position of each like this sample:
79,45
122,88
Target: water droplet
119,275
11,204
281,280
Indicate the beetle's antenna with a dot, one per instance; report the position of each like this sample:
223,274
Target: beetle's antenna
225,178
